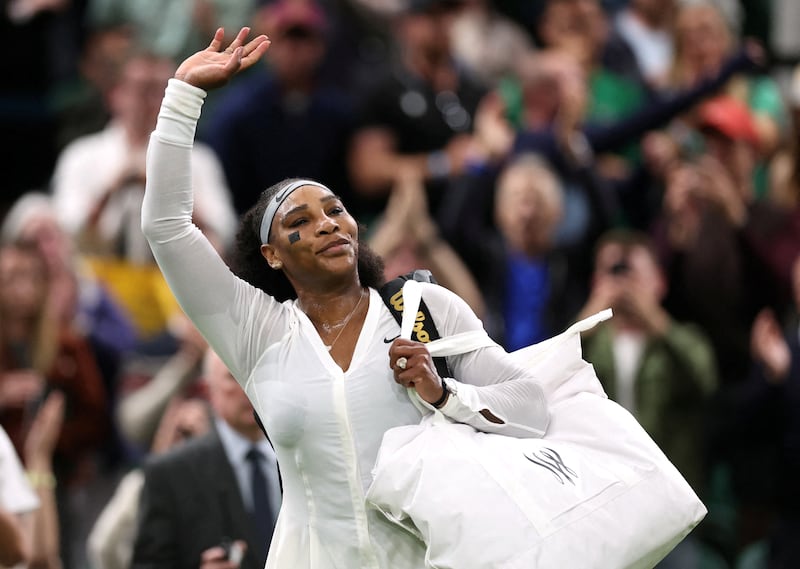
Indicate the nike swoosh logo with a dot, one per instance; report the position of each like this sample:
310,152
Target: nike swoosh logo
279,197
390,340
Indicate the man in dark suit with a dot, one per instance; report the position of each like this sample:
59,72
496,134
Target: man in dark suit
211,490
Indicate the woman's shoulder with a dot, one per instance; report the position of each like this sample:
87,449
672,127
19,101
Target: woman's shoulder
443,303
432,292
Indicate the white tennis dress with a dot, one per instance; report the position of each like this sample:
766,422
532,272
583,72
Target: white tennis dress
326,424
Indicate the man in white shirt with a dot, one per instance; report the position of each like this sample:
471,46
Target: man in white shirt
98,186
647,27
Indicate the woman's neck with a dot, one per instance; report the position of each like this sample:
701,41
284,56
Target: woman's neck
331,307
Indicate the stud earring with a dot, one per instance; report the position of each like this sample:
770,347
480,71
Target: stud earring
278,265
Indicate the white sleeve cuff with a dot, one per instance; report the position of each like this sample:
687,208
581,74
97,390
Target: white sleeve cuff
180,111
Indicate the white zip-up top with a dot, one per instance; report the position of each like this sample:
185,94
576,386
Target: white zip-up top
326,424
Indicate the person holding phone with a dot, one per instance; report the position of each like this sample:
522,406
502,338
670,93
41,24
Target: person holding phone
660,369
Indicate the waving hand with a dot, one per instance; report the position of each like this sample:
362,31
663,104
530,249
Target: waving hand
215,66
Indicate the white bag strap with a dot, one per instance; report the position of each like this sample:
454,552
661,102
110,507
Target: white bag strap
449,346
460,343
412,296
588,323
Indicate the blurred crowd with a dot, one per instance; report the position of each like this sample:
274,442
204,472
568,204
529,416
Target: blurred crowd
545,159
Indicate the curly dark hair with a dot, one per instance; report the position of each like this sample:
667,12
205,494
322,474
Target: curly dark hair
248,264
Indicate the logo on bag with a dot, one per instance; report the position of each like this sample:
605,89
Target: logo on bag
550,459
419,333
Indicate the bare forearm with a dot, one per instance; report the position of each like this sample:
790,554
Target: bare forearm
45,546
13,548
374,163
140,412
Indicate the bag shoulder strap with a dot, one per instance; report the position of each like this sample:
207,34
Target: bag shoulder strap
424,328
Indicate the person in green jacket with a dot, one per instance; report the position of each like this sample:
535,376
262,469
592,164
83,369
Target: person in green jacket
661,370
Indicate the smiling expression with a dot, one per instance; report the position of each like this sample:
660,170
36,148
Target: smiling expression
312,235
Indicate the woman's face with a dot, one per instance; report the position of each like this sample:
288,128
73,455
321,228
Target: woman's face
528,208
703,38
312,236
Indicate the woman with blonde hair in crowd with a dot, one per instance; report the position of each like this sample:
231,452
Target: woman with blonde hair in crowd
39,353
704,39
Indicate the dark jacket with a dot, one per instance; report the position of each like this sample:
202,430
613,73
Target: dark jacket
190,502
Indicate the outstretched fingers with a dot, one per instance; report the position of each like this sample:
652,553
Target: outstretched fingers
253,50
219,38
238,41
216,41
243,55
254,44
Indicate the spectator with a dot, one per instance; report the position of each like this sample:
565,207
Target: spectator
784,186
29,527
85,302
418,115
581,27
407,239
646,26
98,187
487,41
548,119
199,494
713,230
661,370
39,353
84,104
110,542
179,28
141,407
774,398
507,233
283,111
40,447
548,116
50,32
703,39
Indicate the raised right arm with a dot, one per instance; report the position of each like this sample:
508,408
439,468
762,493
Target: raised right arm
237,320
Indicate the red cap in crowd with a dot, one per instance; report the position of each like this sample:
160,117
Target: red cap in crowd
730,117
283,15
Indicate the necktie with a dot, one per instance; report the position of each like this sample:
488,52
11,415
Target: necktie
262,511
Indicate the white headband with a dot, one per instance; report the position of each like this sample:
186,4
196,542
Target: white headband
275,203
